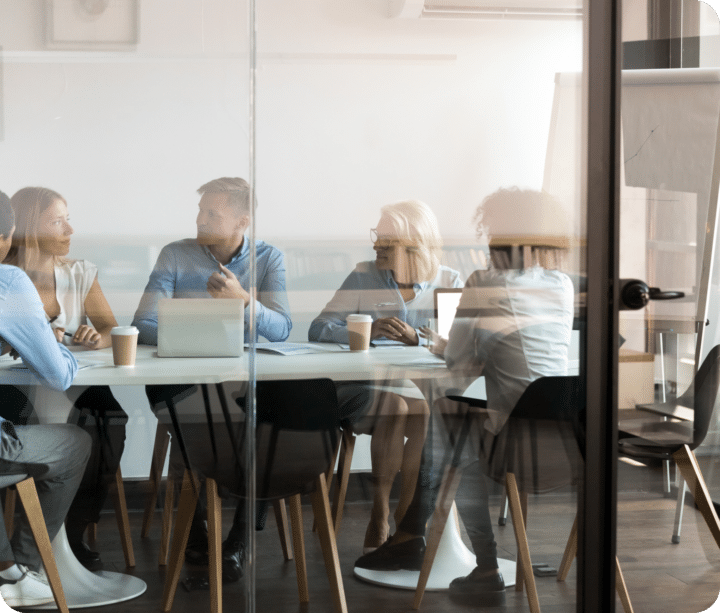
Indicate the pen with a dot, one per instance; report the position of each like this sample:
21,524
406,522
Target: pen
70,334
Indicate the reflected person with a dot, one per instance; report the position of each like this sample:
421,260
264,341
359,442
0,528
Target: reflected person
216,264
81,316
54,455
396,289
513,326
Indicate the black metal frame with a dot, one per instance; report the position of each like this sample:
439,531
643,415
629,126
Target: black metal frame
598,499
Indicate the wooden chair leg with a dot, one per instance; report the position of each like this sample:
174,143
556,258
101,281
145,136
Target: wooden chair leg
28,495
519,571
9,511
214,515
569,556
330,473
570,552
299,546
621,588
446,497
92,532
343,477
167,521
326,532
160,448
123,521
186,510
687,463
281,520
522,544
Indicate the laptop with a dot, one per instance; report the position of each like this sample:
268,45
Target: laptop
446,304
200,327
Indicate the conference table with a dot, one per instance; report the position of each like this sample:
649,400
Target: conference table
85,589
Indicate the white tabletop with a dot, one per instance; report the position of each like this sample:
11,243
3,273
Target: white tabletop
379,363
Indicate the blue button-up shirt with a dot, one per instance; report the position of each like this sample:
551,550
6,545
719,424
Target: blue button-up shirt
183,269
374,292
24,326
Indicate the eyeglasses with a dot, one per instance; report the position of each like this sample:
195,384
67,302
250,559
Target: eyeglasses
385,241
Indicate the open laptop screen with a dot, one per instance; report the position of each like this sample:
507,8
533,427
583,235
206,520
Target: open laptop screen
446,303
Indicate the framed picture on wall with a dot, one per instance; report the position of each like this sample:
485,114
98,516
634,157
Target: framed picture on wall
102,25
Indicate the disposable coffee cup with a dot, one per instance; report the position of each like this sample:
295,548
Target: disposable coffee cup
359,332
124,345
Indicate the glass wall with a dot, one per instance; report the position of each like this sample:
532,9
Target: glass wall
418,163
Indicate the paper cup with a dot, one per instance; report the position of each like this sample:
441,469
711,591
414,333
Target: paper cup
359,332
124,345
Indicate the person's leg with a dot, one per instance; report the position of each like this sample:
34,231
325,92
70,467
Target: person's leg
105,420
416,427
55,456
386,455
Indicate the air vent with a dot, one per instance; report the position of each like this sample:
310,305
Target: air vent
479,9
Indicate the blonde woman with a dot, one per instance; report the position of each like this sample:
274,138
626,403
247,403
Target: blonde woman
80,315
396,289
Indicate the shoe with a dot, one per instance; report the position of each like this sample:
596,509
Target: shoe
233,561
403,556
479,589
30,590
87,557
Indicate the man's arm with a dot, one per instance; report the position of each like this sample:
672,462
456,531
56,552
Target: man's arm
160,285
25,329
272,310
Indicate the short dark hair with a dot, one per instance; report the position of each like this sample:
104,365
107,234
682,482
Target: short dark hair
7,215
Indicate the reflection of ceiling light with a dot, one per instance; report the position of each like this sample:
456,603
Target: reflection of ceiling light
93,7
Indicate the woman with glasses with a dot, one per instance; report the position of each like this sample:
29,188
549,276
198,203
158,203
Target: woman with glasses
80,316
396,290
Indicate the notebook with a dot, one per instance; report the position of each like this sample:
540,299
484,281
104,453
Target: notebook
200,327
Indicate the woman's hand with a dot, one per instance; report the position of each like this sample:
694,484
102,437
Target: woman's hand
436,343
59,333
395,329
86,336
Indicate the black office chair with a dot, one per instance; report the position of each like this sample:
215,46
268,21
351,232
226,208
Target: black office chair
296,437
676,439
539,450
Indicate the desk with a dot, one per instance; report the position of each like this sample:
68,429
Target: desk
85,589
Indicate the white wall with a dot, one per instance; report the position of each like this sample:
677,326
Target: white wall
354,110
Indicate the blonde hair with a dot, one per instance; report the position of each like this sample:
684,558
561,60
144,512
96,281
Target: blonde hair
237,189
509,247
29,203
415,223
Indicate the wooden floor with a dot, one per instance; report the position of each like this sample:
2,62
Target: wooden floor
661,577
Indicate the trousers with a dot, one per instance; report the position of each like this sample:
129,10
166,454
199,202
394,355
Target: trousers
55,457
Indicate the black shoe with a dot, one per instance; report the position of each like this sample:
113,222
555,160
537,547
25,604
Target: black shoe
87,557
233,561
478,589
403,556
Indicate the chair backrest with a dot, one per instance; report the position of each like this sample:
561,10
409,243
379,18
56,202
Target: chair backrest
542,443
297,431
702,395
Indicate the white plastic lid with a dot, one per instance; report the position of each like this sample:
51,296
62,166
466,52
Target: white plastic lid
124,330
359,318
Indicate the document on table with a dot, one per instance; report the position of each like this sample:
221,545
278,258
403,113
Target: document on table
285,348
83,363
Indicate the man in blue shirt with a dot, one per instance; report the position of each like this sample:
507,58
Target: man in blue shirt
55,456
217,264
